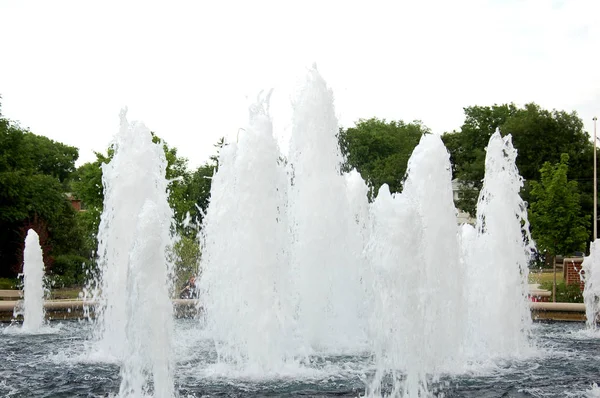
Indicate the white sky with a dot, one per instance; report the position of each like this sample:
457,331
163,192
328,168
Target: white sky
189,69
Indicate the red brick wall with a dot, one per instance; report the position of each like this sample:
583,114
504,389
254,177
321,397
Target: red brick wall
573,268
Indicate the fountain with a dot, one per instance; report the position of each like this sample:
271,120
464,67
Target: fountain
591,292
149,325
499,250
305,288
417,322
33,284
134,325
135,174
245,235
326,241
359,203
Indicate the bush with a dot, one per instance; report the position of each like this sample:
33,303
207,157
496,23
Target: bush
565,293
9,283
68,270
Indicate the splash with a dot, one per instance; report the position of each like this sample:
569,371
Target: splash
135,174
134,314
359,202
149,324
499,314
245,282
33,280
497,258
394,265
326,242
591,292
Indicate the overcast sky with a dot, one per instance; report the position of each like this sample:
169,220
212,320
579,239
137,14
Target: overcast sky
188,70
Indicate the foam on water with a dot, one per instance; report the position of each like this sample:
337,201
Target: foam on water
33,281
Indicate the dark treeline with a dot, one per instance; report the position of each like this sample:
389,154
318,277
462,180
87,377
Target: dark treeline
38,180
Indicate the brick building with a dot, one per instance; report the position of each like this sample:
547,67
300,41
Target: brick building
572,271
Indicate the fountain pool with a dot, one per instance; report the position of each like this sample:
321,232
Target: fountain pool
54,365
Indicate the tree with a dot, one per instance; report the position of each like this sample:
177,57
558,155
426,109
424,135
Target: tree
380,150
34,171
538,135
467,149
557,225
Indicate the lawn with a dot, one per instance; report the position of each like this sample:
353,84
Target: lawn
65,293
541,277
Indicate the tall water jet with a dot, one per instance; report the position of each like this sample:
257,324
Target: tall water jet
149,325
33,283
359,202
497,259
135,174
419,302
591,292
245,281
326,240
394,263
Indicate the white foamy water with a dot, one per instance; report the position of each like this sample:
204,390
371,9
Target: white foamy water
135,174
326,242
149,324
497,254
245,281
420,286
359,203
134,313
591,292
33,284
397,278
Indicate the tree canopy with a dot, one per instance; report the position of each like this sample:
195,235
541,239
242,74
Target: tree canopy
557,226
379,150
34,174
538,135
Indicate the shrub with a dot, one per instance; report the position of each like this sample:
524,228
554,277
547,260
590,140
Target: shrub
565,293
68,270
9,283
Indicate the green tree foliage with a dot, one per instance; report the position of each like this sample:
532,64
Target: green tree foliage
380,150
198,190
34,173
87,187
557,225
467,149
186,257
538,135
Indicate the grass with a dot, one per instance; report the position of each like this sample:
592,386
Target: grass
65,293
8,283
543,277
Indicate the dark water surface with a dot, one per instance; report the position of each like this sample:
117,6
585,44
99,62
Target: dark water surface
59,363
